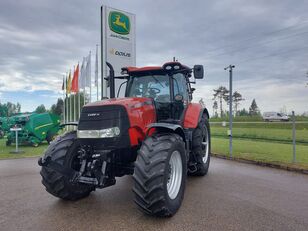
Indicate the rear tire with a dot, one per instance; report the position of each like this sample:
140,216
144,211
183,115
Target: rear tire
201,149
63,151
160,175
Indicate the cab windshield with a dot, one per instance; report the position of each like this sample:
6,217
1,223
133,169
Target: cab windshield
151,86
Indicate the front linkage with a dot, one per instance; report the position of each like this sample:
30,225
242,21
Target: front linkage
94,168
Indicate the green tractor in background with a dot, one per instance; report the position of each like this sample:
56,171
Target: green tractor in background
36,128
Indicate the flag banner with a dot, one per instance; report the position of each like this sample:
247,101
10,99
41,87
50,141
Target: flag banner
66,84
88,72
62,88
74,87
82,75
69,83
96,67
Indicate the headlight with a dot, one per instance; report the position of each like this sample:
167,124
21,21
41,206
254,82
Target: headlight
104,133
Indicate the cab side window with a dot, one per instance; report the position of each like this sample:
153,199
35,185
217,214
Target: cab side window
180,86
180,95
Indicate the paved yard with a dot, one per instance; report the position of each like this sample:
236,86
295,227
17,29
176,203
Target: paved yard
233,196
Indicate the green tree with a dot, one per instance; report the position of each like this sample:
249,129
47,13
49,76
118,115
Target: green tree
18,108
253,109
243,112
9,109
237,98
57,108
221,94
3,110
40,109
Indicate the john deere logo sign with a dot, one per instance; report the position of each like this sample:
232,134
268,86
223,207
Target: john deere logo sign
119,23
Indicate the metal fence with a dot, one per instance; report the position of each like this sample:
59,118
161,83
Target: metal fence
289,138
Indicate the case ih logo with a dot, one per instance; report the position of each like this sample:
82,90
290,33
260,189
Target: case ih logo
119,23
93,114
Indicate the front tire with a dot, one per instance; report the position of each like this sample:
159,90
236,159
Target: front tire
160,175
64,151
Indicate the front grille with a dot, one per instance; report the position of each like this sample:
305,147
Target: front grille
102,117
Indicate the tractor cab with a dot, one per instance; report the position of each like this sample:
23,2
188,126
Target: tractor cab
168,86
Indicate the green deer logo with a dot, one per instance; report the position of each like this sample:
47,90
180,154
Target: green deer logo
119,23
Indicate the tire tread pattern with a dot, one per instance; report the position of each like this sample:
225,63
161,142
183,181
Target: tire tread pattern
56,183
198,152
149,174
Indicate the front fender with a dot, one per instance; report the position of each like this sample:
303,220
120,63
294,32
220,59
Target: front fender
175,128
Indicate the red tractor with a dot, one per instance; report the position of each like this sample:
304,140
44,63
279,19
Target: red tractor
155,134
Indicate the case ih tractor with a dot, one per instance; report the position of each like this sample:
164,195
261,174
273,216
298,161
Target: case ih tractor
155,134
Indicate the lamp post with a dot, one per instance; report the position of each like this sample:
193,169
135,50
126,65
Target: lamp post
230,68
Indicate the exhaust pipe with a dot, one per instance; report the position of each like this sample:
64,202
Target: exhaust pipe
111,80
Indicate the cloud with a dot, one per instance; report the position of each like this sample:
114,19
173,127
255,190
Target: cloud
266,41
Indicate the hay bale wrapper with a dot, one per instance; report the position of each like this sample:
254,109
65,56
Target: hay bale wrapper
36,128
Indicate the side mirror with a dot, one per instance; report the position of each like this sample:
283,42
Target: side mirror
198,71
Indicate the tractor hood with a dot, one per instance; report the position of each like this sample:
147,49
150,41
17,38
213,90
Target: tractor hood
140,111
126,102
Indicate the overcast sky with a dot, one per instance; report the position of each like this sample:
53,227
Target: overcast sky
40,40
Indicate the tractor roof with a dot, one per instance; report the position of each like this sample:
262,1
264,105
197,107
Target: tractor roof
166,68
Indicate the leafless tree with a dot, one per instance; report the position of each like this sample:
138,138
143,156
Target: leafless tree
215,107
202,103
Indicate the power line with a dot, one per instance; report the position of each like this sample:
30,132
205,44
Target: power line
264,34
275,54
258,44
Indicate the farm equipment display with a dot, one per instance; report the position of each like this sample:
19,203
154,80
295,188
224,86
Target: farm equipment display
154,133
5,124
35,128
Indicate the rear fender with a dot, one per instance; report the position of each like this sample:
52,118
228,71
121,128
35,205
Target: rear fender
193,115
204,111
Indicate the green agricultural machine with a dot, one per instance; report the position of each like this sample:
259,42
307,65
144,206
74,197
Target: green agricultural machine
2,125
5,124
35,128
